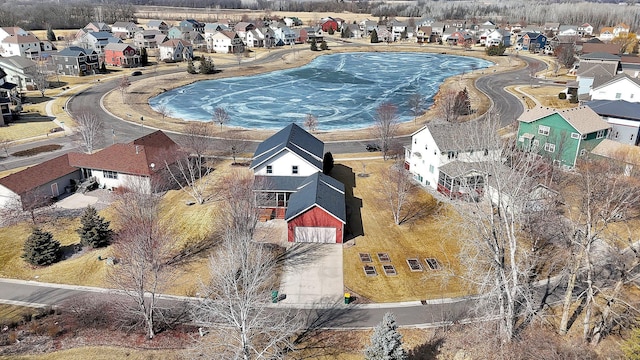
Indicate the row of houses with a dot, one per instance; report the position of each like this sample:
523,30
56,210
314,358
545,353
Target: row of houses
288,166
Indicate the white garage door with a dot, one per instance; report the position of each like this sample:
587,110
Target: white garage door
315,234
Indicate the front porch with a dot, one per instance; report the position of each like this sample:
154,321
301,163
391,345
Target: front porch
461,181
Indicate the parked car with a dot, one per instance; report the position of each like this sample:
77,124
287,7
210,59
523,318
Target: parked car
373,147
136,73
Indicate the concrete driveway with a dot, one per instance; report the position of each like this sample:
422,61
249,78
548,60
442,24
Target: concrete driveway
312,274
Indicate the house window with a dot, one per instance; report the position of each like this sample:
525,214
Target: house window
543,130
269,169
110,174
415,141
600,134
431,169
575,136
294,169
549,147
618,95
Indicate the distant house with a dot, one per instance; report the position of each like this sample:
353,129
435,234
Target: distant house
149,39
329,24
283,35
498,37
75,61
292,21
585,29
623,116
460,38
20,71
242,28
37,185
121,55
551,26
595,45
561,135
532,41
21,45
12,31
423,35
595,69
175,50
568,30
262,37
140,163
606,34
620,87
398,28
195,38
175,33
8,94
124,29
309,34
96,41
367,26
353,30
444,161
212,28
158,25
225,42
97,26
189,25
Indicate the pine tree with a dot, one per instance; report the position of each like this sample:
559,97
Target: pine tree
103,68
94,230
51,36
374,36
386,342
40,248
314,45
144,57
462,103
327,163
190,68
323,45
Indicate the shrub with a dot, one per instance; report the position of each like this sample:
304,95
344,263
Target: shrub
495,50
41,249
562,96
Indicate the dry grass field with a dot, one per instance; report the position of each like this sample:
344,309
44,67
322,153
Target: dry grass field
427,236
105,353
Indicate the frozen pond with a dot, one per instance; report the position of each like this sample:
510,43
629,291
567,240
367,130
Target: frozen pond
342,90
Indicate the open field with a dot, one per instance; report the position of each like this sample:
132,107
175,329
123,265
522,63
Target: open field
105,353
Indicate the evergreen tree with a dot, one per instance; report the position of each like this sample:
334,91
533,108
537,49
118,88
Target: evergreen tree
103,68
386,342
374,36
94,230
323,45
51,36
331,30
462,103
314,45
404,34
40,248
346,32
206,66
144,57
190,68
327,163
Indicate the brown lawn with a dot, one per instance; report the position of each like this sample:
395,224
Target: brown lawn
425,237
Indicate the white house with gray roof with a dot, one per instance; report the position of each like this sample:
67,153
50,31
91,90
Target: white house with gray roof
619,87
623,116
442,156
20,71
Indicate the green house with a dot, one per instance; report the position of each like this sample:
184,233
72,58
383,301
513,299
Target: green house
561,135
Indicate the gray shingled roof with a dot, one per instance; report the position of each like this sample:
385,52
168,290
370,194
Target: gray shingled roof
17,61
279,183
600,56
455,136
74,51
294,139
318,190
616,108
616,78
582,118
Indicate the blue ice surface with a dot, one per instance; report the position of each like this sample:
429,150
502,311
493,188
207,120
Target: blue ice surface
342,91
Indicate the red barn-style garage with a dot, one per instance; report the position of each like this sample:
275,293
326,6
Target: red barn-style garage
316,211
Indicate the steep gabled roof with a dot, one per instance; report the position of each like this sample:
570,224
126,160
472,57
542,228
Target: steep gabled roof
143,156
118,46
582,118
74,51
38,175
600,56
617,78
174,42
17,62
294,139
20,39
616,108
318,190
455,136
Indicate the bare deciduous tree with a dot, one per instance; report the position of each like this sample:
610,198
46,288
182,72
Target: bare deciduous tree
499,259
416,102
40,77
142,249
236,304
234,144
241,212
220,116
447,106
90,128
191,168
386,125
311,122
123,85
566,55
534,67
163,110
5,144
602,198
397,188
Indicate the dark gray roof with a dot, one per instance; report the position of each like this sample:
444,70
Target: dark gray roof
279,183
74,51
294,139
460,168
615,108
616,78
318,190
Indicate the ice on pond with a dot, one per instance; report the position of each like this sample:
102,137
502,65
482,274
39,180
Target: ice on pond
341,90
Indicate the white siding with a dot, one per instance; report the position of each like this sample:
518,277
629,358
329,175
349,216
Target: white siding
624,89
282,164
7,197
123,180
422,143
